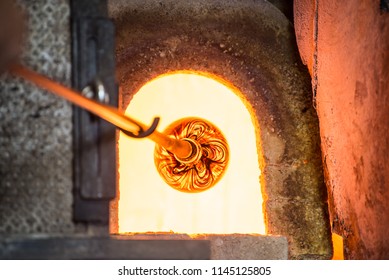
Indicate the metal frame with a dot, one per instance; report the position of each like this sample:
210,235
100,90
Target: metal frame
94,141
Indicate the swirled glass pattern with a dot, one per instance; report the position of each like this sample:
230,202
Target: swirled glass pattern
196,176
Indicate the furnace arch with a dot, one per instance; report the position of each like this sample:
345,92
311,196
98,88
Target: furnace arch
148,204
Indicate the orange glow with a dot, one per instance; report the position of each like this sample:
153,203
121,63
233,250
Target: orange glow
337,242
148,204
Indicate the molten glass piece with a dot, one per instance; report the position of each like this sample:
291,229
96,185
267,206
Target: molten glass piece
204,167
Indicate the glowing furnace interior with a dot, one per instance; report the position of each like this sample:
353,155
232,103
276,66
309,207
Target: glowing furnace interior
148,204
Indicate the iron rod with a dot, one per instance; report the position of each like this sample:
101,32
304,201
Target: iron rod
181,148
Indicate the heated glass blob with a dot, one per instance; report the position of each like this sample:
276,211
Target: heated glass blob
191,155
207,162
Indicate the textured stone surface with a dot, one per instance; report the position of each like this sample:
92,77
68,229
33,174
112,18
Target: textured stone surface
305,28
231,246
350,63
251,45
248,247
35,130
